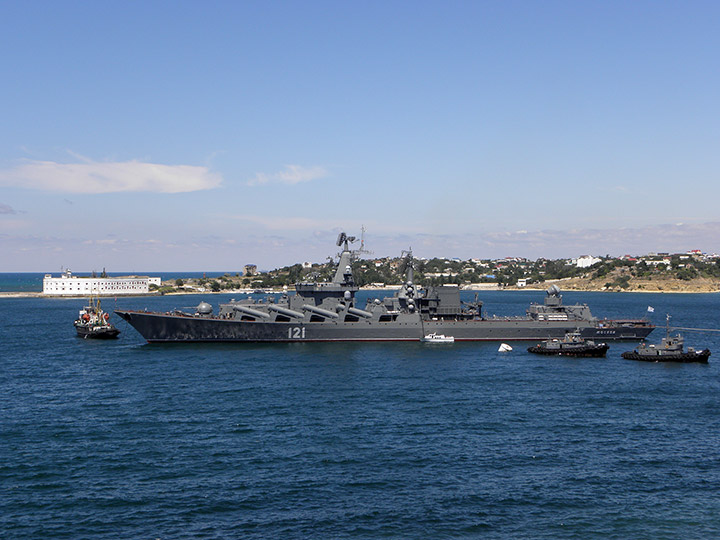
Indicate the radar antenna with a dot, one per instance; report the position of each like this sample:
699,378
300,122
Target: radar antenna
553,290
343,274
407,266
345,239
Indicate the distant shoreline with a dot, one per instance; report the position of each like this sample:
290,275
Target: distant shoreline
34,294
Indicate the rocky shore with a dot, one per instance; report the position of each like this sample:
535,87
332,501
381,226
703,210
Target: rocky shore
636,285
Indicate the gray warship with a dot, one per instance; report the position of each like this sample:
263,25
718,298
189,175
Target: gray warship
327,311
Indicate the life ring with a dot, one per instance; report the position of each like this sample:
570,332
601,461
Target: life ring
107,317
86,317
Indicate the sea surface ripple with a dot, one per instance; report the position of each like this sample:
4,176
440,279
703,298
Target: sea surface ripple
308,440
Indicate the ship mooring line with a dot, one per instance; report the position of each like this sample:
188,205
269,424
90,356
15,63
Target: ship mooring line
695,329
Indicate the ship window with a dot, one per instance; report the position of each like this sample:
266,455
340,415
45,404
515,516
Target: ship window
282,318
386,318
317,318
351,318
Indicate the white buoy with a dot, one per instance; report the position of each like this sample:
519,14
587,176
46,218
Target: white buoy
504,347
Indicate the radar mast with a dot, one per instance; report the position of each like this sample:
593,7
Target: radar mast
343,274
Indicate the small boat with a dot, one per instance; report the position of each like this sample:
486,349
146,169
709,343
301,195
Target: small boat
94,323
437,338
671,349
504,347
572,344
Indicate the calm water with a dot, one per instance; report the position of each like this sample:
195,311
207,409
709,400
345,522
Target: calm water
128,440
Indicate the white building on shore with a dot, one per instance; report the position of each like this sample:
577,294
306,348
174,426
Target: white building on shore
586,261
69,285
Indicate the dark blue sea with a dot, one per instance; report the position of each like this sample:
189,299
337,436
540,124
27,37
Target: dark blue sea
122,439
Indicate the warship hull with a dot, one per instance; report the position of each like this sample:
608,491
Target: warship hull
162,327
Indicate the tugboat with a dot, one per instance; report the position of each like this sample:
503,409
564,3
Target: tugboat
572,344
94,323
670,350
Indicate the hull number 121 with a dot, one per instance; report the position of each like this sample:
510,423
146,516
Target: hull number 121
296,332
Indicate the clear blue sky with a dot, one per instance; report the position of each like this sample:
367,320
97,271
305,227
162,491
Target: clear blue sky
149,135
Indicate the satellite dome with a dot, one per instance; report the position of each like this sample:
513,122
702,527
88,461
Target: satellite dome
204,308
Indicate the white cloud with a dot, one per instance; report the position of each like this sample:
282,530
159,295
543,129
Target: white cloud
109,177
292,174
106,241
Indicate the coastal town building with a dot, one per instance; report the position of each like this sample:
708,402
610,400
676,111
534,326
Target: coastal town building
69,285
586,261
655,262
